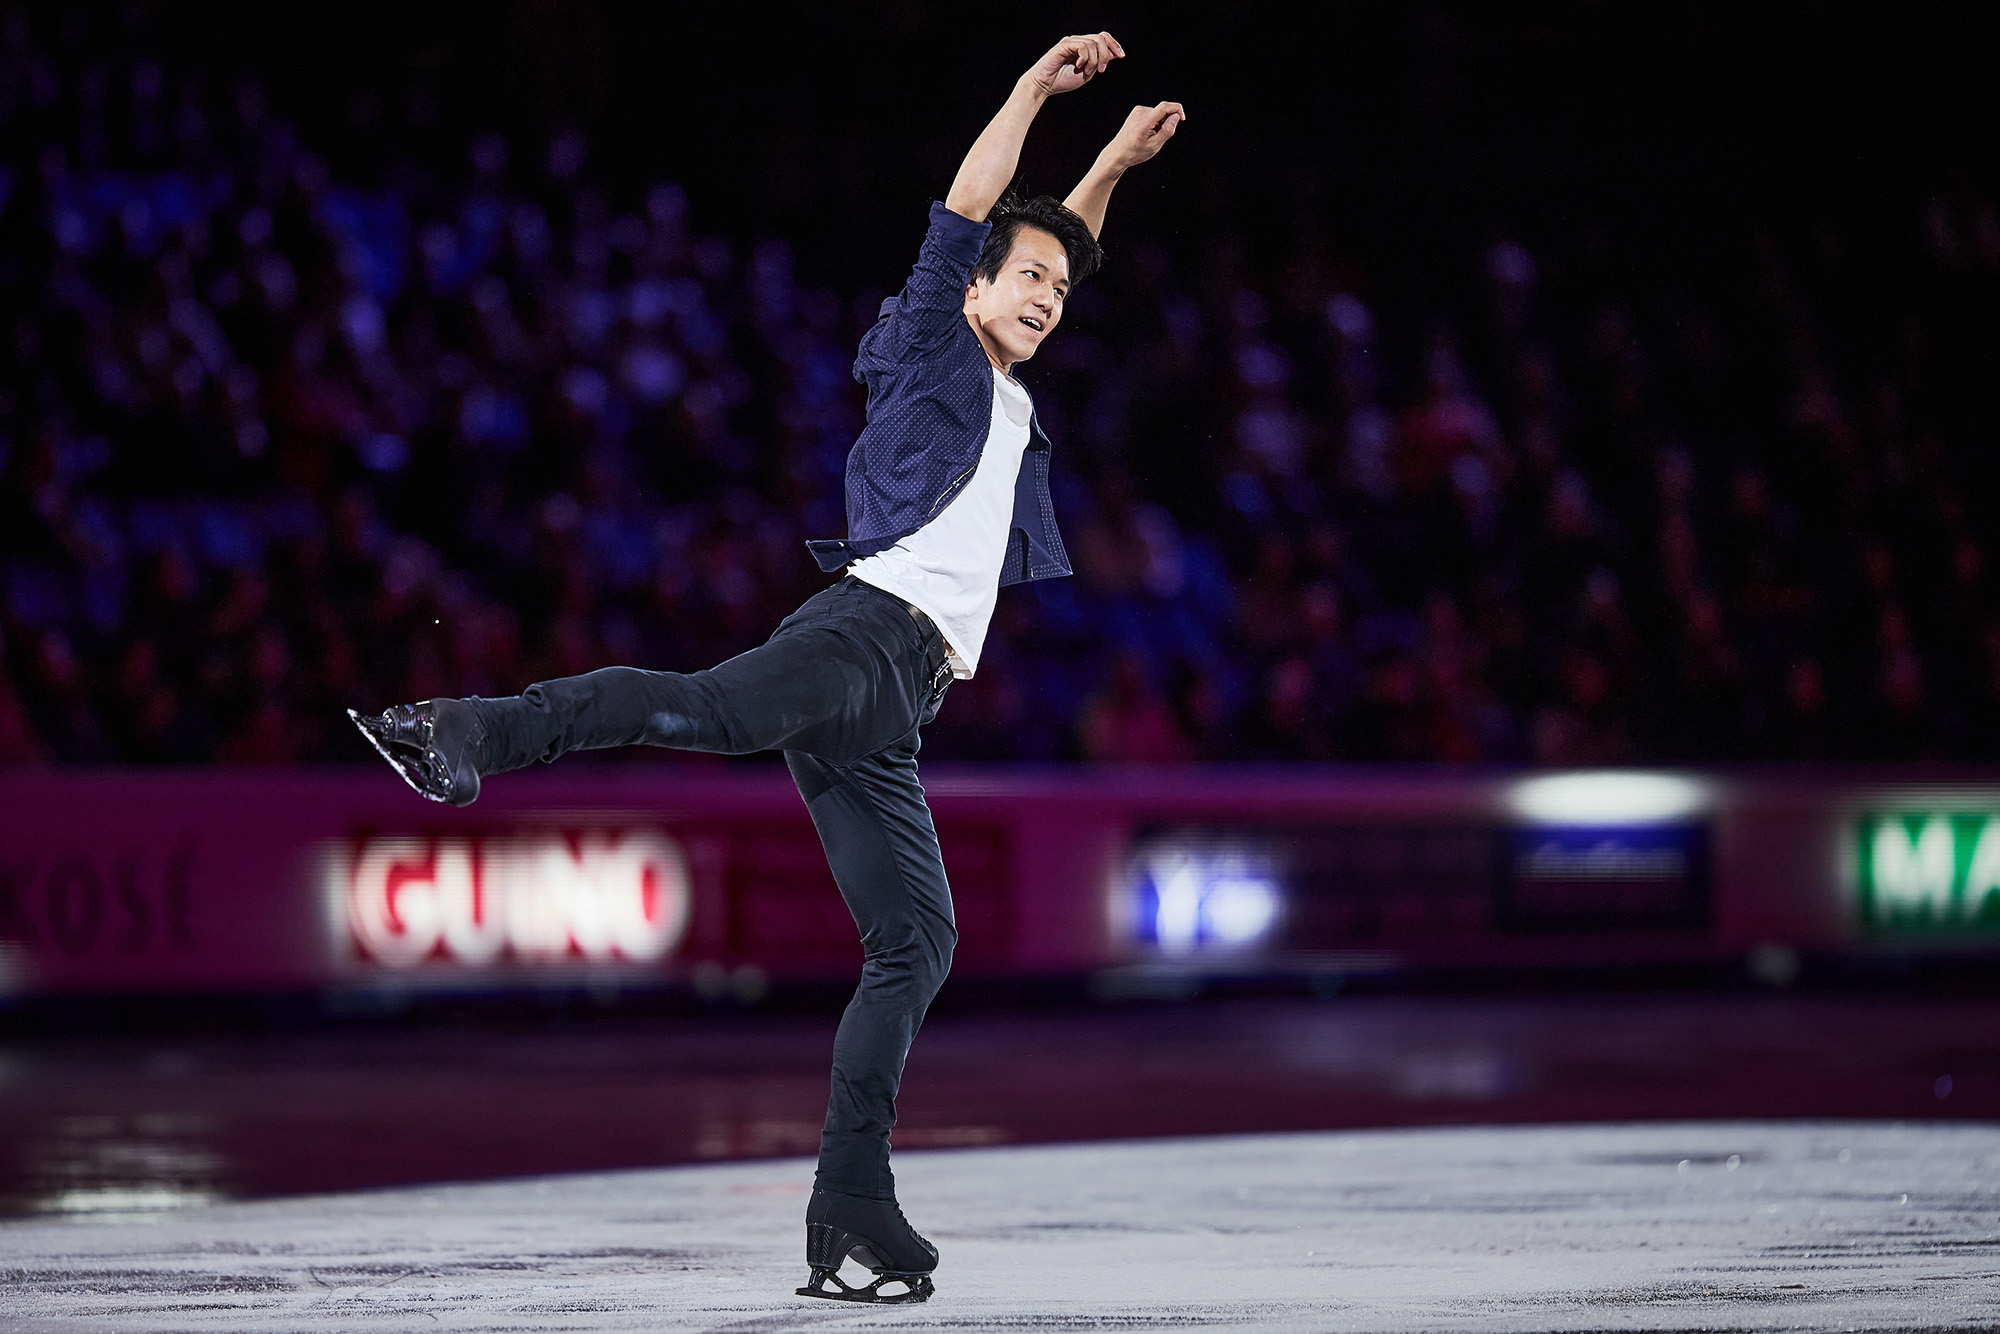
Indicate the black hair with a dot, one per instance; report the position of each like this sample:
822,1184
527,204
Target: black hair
1046,213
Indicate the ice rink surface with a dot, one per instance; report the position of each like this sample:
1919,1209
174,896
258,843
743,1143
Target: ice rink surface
1661,1226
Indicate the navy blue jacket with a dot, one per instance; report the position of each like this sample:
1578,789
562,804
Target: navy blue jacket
930,405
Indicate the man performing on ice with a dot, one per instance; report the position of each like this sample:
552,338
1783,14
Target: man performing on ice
947,499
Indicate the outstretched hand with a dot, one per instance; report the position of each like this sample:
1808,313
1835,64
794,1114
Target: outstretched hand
1075,61
1144,133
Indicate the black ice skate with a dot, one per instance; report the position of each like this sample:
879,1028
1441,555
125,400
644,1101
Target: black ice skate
432,745
876,1234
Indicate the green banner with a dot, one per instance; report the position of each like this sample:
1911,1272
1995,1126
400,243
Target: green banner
1935,870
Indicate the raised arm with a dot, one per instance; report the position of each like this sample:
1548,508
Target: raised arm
988,169
1144,133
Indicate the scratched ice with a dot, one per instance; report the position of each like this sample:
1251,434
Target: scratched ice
1662,1226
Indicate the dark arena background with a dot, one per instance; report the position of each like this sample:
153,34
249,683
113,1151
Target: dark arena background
1500,832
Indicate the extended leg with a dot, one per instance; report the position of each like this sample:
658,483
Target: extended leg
844,676
841,677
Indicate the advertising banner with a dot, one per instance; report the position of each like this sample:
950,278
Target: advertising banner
1935,870
712,877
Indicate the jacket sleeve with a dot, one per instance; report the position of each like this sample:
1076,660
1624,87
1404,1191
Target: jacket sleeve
931,306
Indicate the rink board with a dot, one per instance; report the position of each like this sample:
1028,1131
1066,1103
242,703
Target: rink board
239,880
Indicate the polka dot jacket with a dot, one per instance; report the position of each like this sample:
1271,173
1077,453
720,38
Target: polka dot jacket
930,403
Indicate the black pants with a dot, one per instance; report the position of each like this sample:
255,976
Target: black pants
841,688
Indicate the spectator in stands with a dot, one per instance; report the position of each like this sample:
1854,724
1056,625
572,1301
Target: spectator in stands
1573,529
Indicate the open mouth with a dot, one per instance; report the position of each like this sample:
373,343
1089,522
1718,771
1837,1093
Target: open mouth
1032,323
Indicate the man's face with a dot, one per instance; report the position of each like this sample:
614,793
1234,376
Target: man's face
1016,311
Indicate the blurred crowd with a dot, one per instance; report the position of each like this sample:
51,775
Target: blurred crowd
274,443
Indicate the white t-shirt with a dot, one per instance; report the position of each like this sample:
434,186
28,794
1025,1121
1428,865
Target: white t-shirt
950,568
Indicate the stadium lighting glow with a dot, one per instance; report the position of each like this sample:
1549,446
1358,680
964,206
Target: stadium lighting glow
1607,797
1239,910
1191,900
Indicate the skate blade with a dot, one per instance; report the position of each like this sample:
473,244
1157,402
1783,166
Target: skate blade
394,763
920,1289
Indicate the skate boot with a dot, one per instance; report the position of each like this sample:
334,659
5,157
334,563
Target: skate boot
875,1233
433,745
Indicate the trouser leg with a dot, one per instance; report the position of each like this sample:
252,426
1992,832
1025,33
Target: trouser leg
842,677
841,688
883,849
